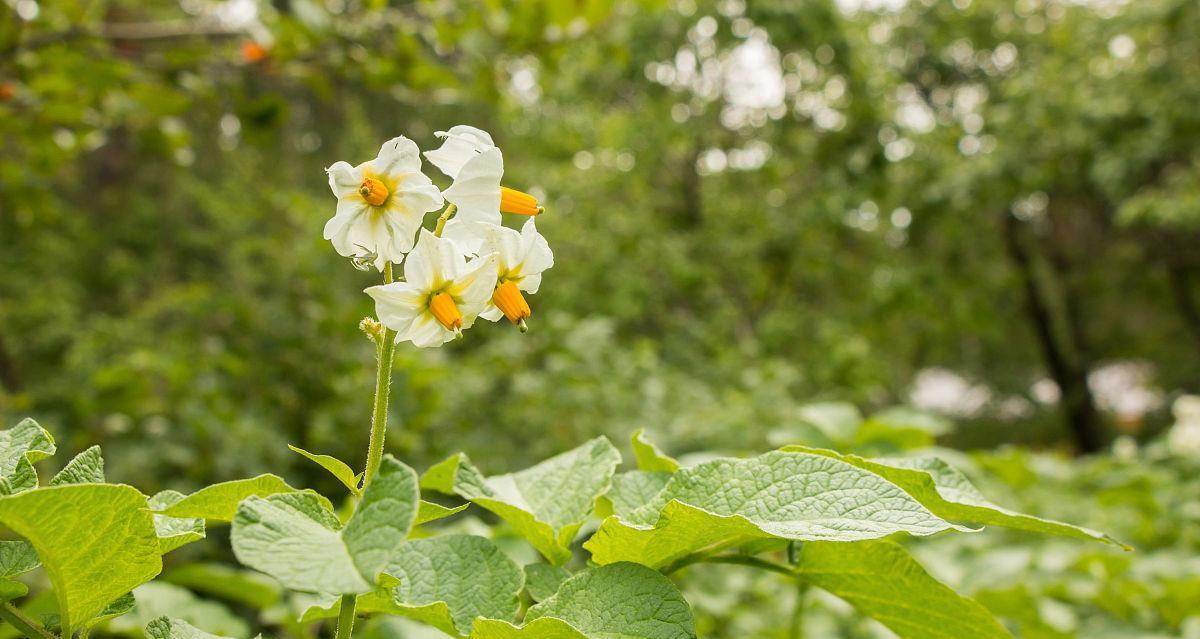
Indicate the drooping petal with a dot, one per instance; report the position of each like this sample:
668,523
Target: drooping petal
536,255
342,228
492,313
344,179
530,283
460,144
476,190
398,304
401,228
397,156
426,332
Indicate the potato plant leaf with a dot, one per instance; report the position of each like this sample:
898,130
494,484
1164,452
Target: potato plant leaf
226,582
649,457
97,542
778,495
882,581
446,582
297,539
86,468
428,511
17,557
20,447
335,466
543,580
546,503
219,502
174,532
949,494
168,628
608,602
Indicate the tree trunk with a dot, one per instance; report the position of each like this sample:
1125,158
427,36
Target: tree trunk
1078,405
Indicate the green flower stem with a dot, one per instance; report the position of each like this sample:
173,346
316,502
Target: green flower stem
345,624
383,386
22,623
443,218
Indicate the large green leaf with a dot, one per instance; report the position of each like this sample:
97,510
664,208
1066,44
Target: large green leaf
882,581
610,602
778,495
97,542
449,581
174,532
296,539
20,447
86,468
543,580
219,502
547,503
949,494
446,582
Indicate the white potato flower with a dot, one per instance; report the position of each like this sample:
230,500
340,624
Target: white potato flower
476,165
442,293
381,203
521,257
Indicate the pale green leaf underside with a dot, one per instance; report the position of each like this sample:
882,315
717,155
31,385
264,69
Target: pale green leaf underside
174,532
778,495
609,602
298,540
649,457
547,503
219,502
446,582
86,468
97,542
20,447
948,493
883,582
120,606
335,466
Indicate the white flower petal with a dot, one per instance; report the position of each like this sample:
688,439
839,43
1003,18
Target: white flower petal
475,287
397,304
476,190
530,283
344,179
341,228
426,332
468,236
460,144
506,243
492,313
536,255
421,267
397,156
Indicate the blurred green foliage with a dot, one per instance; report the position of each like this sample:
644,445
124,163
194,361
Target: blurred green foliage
753,204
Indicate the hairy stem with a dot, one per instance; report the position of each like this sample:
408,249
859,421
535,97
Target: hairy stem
383,386
345,624
22,623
